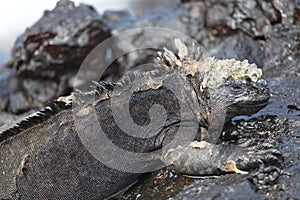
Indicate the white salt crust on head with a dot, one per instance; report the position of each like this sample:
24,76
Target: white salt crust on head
214,71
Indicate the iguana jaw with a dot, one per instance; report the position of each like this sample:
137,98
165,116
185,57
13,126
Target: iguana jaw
256,104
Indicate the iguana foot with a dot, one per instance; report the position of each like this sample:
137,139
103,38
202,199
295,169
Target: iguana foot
203,158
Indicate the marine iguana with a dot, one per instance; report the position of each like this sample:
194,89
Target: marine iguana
44,155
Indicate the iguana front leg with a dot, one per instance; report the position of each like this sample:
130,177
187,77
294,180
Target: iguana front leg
203,158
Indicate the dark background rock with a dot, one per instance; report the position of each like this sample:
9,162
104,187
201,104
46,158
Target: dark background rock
58,42
235,29
45,58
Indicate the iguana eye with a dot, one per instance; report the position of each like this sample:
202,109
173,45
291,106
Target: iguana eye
236,89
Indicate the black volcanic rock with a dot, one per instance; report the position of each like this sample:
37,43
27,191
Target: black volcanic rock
59,41
235,29
46,57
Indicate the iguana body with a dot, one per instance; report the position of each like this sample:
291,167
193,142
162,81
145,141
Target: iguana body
44,157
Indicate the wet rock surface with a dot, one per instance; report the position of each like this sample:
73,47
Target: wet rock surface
278,180
264,32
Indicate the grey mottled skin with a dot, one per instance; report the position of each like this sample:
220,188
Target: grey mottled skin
43,156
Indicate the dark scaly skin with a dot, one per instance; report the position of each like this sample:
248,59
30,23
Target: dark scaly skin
45,158
57,165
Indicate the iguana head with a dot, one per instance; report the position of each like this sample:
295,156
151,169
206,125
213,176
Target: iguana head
231,85
235,86
239,96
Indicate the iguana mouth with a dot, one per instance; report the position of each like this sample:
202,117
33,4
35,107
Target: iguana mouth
254,104
262,103
247,108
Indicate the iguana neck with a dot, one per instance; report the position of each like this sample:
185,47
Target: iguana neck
204,112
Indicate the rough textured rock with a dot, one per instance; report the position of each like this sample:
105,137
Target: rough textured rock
239,29
46,57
